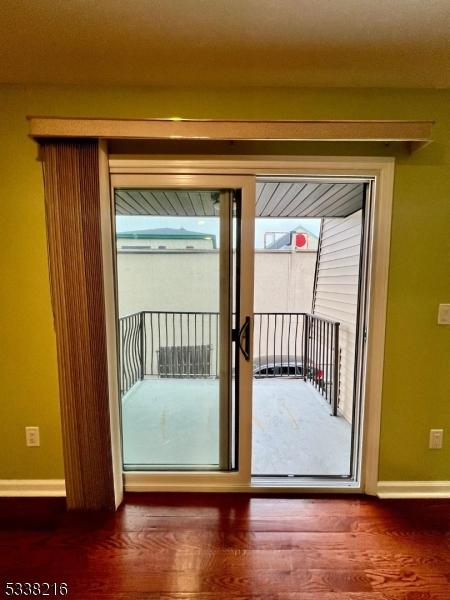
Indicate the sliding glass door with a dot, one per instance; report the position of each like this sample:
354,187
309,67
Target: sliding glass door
180,321
240,320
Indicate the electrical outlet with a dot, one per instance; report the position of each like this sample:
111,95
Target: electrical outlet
32,436
444,314
436,438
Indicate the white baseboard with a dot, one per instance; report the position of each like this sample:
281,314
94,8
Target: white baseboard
56,488
32,487
413,489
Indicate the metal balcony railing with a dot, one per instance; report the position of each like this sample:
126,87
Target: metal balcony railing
185,345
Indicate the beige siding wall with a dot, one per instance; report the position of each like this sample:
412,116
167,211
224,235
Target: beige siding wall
337,292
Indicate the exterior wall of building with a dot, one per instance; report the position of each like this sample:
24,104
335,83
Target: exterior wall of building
284,281
169,281
168,243
336,294
189,281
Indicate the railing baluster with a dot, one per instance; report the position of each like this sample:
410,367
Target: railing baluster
128,354
144,344
209,345
288,345
202,348
136,347
316,350
274,340
151,344
317,353
329,374
125,356
336,369
195,344
141,344
316,346
311,351
174,349
320,355
165,347
295,343
133,346
121,357
326,373
158,352
217,345
304,341
259,341
312,348
188,355
182,369
324,330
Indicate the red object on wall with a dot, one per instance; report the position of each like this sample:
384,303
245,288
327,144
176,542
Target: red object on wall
301,240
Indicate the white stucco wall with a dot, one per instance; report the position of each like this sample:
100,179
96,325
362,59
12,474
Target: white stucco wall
284,281
171,281
169,243
189,281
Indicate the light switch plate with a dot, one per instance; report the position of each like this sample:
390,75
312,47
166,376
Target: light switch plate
444,314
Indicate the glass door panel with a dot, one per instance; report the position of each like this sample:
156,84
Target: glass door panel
177,298
307,304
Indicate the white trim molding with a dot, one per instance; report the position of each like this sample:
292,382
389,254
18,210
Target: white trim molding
128,170
413,489
32,487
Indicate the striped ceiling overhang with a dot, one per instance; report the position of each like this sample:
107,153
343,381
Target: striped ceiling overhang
282,199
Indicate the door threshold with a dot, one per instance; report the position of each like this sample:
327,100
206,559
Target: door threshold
306,484
149,482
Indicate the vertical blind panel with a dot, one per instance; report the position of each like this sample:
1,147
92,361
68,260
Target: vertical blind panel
72,201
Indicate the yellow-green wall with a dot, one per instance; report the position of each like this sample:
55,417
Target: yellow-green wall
416,395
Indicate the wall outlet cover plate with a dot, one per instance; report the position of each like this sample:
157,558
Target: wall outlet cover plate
444,314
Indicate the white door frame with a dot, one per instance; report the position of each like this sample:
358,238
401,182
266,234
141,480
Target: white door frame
228,169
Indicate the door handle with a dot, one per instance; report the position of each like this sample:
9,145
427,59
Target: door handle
244,336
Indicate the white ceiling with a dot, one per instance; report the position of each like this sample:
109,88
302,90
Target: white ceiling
338,43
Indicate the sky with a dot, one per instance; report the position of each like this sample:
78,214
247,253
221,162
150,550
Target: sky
211,225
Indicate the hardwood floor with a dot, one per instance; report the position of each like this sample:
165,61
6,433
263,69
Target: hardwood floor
221,546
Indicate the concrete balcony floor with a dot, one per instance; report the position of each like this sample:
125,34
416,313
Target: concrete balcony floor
175,422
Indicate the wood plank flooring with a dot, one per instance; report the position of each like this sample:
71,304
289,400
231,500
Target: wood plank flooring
229,547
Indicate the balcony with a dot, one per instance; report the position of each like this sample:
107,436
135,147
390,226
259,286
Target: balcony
169,378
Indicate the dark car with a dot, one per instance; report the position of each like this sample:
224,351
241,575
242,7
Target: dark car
268,368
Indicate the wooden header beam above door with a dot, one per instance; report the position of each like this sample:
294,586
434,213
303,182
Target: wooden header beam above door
415,133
